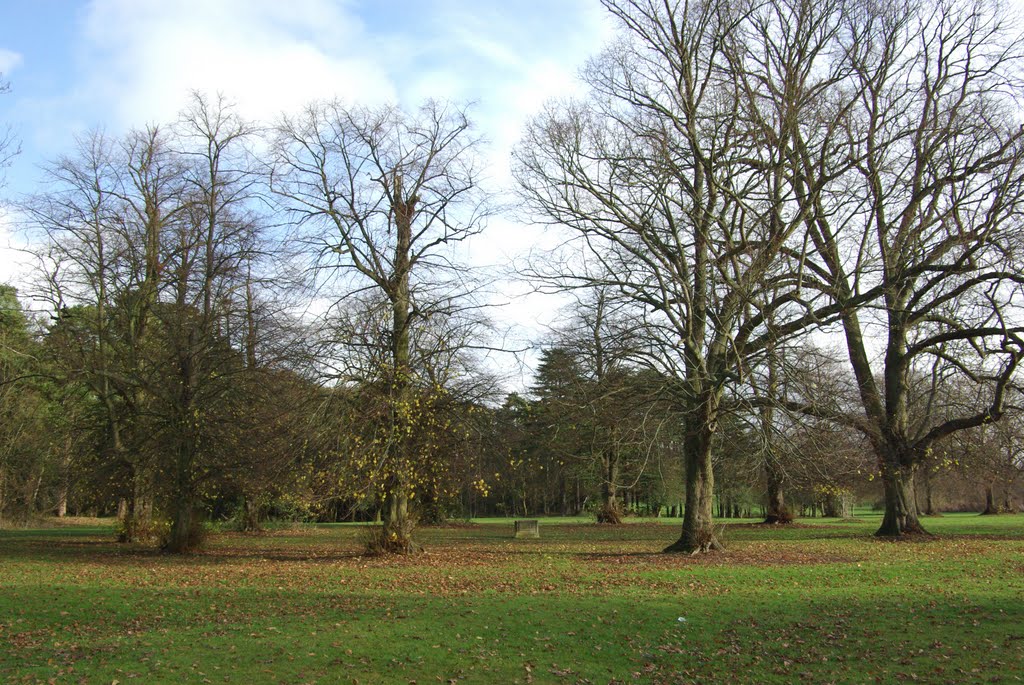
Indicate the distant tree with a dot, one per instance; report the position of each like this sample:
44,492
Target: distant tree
993,455
29,439
602,412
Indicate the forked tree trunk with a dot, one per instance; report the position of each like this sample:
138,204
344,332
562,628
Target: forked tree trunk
698,533
900,508
396,533
775,477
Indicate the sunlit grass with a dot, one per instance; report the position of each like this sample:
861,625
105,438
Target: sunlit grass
822,601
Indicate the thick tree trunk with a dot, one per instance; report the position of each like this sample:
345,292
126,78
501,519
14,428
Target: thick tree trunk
251,514
186,528
136,512
775,477
991,508
396,533
900,509
698,533
611,510
776,503
185,535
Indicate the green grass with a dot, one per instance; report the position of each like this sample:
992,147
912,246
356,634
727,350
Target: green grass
819,602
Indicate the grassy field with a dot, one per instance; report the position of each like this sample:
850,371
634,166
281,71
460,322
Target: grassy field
818,602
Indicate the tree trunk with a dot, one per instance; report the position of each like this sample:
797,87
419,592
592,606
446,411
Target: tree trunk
186,531
185,535
776,503
611,511
251,510
900,509
838,504
698,534
396,533
991,508
398,526
65,479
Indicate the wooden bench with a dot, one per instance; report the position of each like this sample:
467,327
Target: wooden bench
527,528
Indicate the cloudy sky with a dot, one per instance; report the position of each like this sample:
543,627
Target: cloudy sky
76,64
121,63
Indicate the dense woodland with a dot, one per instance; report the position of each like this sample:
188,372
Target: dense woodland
790,233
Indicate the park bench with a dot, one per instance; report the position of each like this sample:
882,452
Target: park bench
527,528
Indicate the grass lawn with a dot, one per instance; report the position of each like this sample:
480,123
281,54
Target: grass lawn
818,602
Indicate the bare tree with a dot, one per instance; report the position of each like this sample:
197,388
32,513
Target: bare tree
672,179
382,197
207,273
921,205
8,143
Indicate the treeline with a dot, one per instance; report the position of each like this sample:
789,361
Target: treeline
249,319
579,443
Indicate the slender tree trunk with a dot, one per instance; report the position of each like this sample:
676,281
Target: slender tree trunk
3,491
900,508
929,492
65,478
698,534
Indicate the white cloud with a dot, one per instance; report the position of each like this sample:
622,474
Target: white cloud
144,56
14,262
9,61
